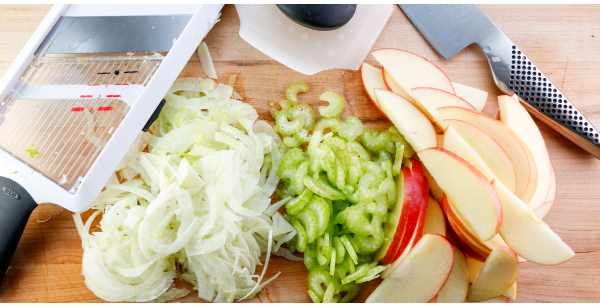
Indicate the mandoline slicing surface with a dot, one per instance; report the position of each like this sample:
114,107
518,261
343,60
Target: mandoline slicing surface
64,110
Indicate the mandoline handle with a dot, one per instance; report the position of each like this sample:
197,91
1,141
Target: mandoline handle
16,206
515,73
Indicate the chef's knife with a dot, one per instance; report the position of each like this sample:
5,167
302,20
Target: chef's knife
450,28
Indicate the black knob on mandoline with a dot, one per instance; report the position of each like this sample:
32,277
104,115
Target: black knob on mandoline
321,17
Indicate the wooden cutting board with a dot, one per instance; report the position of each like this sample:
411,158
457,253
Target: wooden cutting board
564,41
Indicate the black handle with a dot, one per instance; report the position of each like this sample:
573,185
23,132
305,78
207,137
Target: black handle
320,17
16,206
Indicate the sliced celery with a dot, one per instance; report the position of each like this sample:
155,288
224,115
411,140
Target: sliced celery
292,91
335,107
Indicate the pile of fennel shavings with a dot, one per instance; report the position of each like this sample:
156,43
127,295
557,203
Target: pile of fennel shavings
194,204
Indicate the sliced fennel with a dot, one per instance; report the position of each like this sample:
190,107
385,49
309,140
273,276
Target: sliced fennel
194,204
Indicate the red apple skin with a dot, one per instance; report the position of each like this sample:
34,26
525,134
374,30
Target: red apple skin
463,234
423,213
414,221
397,239
484,181
457,241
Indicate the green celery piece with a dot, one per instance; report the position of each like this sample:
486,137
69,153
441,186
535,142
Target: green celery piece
370,244
331,289
374,140
286,127
310,256
350,249
289,163
352,290
340,251
292,142
398,159
332,262
316,278
303,110
285,105
321,187
335,107
297,204
309,222
357,148
301,234
321,209
324,123
291,92
361,271
313,296
351,128
301,172
302,136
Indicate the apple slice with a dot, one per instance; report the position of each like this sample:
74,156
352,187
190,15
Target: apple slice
435,222
393,86
498,273
516,117
520,156
420,276
467,250
440,140
433,300
398,261
454,143
470,192
436,98
433,186
408,119
417,210
371,78
474,269
394,228
543,210
428,100
456,287
411,70
475,247
527,234
476,97
511,293
489,150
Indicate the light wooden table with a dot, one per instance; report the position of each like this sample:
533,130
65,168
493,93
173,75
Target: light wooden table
564,41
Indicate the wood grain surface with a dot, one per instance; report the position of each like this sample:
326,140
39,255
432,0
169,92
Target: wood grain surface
563,40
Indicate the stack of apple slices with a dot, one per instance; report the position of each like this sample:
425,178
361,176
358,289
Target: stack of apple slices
491,180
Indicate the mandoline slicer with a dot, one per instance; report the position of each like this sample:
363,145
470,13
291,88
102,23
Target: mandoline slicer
77,96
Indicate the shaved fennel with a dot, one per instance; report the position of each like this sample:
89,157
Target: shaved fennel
194,204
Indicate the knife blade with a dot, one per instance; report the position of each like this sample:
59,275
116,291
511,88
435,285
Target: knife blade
450,28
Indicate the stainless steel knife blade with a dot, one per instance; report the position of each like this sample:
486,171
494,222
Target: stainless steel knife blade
450,28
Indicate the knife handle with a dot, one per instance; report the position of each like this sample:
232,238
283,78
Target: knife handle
516,73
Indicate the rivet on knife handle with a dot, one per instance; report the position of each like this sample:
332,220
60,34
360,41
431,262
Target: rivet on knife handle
514,72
